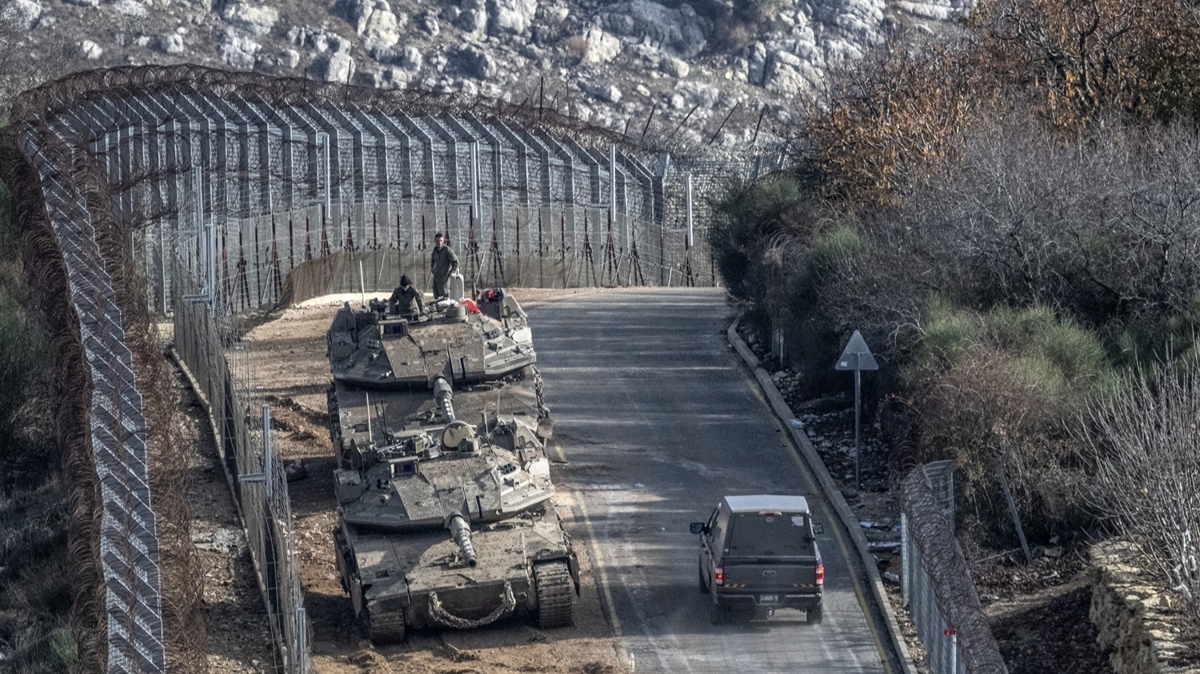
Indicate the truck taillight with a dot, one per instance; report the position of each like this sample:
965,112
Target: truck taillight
719,576
820,574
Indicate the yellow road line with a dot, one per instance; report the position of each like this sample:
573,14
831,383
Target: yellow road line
812,487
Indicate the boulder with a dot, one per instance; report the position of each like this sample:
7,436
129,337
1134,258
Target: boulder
428,22
674,67
605,92
89,50
131,8
411,59
475,62
376,23
83,3
601,47
513,17
23,14
677,29
252,18
239,52
472,17
339,67
171,44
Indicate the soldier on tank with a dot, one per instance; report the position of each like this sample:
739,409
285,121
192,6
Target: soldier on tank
443,262
405,299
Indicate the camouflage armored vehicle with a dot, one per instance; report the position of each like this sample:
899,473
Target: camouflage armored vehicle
444,521
465,342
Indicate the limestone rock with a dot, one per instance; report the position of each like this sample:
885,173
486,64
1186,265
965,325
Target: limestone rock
171,44
678,29
376,23
510,16
605,92
601,47
428,22
674,67
89,50
937,10
410,59
239,52
24,14
252,18
476,62
473,17
339,67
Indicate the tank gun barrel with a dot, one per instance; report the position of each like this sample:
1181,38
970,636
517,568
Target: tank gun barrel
460,531
444,394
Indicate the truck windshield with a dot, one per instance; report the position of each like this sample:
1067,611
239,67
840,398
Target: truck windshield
775,535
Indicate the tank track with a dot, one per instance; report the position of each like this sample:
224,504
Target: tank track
555,594
385,627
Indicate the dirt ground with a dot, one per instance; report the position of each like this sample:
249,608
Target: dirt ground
289,361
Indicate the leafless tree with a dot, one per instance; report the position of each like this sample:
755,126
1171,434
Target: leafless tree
1143,448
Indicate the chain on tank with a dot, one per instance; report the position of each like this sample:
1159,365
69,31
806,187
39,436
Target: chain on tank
440,615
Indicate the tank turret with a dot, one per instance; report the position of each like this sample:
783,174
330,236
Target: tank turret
465,341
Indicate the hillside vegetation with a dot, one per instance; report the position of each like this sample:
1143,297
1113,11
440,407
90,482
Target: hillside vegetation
1013,222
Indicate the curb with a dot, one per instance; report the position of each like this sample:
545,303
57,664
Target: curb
817,466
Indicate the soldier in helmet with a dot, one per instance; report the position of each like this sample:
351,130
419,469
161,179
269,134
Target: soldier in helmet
443,262
405,299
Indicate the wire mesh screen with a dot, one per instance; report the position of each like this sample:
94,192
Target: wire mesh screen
519,206
937,585
207,342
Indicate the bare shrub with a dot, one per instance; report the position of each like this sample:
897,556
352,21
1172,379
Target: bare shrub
1142,449
1105,229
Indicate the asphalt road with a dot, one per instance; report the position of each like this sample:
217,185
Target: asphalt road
657,418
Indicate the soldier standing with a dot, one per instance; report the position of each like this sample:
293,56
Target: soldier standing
442,262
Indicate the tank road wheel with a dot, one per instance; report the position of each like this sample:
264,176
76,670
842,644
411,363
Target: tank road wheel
384,627
555,594
717,613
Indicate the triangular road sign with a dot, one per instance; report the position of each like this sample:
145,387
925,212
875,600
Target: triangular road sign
856,356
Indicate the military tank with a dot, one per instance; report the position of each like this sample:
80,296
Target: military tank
463,341
445,515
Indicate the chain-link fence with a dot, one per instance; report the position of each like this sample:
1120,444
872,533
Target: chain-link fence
282,183
936,583
207,342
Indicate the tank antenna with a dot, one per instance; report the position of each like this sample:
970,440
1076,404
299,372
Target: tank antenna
370,435
362,284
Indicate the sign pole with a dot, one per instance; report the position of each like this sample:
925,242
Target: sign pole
857,424
857,356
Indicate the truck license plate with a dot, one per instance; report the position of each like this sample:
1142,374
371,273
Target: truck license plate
768,598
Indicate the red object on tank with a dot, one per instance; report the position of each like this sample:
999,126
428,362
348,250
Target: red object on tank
471,307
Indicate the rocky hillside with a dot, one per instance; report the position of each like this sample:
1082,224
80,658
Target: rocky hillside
676,69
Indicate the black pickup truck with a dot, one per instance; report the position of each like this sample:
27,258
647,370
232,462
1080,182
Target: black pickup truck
758,555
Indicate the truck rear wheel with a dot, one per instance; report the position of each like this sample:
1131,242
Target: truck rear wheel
816,614
717,613
555,594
